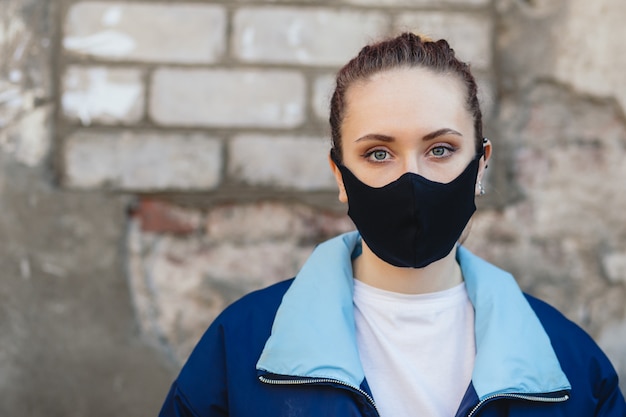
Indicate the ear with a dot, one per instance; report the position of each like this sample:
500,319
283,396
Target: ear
484,161
343,197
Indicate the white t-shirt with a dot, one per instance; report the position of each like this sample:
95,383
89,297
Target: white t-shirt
417,350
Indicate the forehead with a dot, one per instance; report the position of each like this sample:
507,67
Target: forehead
417,82
407,96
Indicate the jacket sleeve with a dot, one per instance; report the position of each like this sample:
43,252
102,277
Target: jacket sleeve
611,400
595,384
177,405
200,388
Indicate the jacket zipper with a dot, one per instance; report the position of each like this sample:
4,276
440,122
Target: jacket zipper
319,381
519,397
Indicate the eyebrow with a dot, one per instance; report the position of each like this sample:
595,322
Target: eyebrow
441,132
375,136
430,136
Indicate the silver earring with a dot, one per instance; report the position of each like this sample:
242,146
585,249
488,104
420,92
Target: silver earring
481,189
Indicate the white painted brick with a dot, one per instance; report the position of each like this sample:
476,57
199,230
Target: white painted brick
227,98
418,3
184,33
142,161
469,35
303,36
103,95
285,162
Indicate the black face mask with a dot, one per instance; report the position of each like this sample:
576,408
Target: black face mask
412,221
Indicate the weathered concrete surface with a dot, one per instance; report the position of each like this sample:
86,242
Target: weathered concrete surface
590,49
69,344
575,42
562,125
568,223
25,80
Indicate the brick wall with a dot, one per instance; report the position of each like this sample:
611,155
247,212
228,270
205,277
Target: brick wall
227,102
211,95
213,114
160,158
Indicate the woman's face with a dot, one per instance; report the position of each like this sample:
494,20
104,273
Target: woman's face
407,120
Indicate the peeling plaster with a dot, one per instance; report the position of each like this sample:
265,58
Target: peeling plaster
29,140
591,53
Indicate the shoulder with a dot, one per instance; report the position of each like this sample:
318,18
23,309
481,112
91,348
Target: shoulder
247,321
560,329
228,350
589,370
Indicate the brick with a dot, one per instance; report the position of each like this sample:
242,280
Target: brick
323,88
142,161
227,98
162,217
103,95
468,34
303,36
285,162
182,33
418,3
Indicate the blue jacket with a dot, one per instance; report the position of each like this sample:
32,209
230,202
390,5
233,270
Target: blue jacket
290,350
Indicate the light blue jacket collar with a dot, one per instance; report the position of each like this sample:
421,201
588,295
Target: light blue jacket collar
314,333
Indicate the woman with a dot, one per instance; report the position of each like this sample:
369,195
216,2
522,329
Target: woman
397,319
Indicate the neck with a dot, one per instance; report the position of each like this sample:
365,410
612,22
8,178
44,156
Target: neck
438,276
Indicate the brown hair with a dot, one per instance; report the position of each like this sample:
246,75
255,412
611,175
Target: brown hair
405,50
